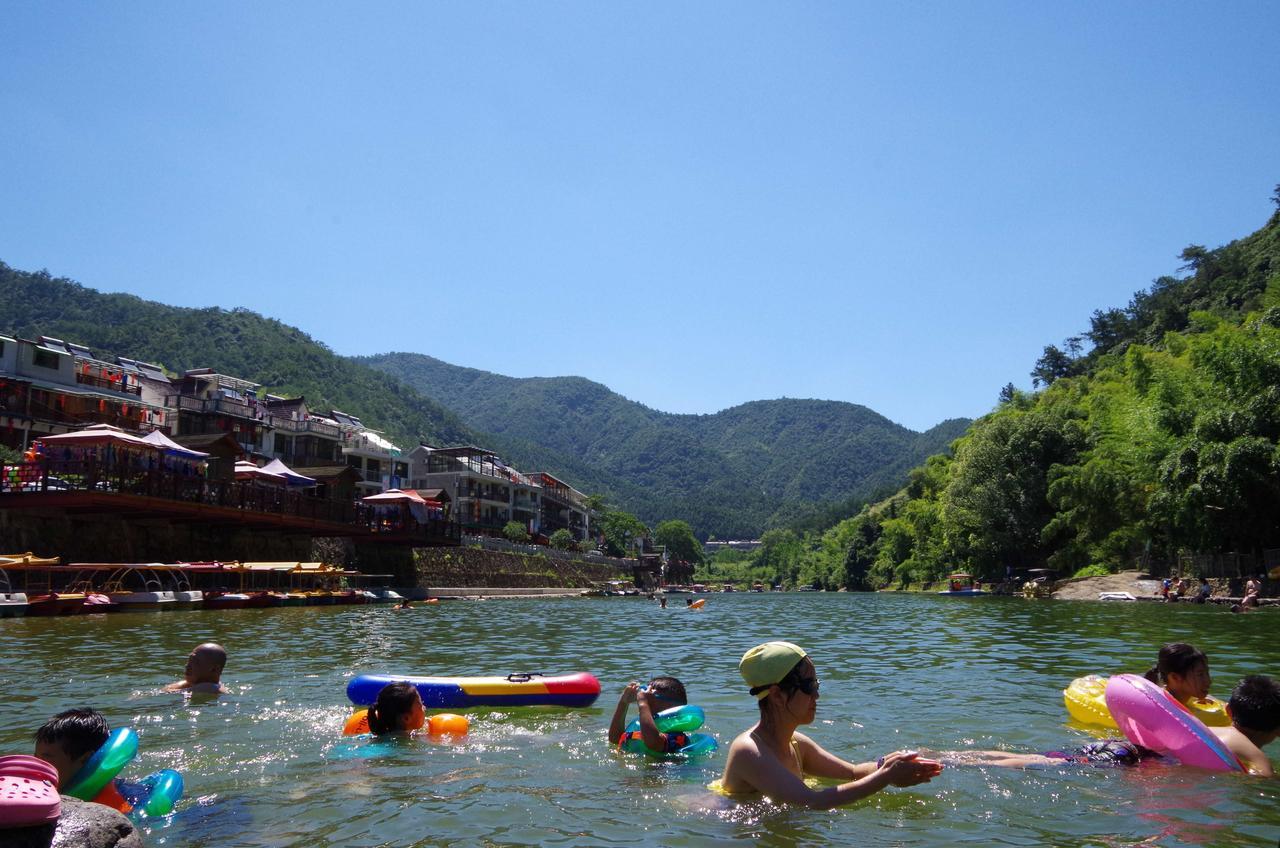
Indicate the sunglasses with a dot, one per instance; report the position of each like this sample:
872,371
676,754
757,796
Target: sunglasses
807,685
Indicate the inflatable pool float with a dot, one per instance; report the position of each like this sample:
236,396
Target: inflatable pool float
153,796
683,719
1150,717
1087,704
121,747
441,724
698,604
514,690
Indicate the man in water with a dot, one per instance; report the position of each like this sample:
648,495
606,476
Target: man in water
203,674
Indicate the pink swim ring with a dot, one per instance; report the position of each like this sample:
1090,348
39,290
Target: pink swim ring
1152,719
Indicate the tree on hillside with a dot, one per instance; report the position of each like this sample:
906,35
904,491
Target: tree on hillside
620,530
515,531
1051,365
562,540
679,540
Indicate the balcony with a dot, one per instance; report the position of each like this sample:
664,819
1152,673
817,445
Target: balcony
212,406
109,385
306,425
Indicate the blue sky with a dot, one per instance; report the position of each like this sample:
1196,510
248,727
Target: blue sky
698,205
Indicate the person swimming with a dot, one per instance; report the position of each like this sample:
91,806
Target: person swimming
772,759
1183,670
203,672
398,709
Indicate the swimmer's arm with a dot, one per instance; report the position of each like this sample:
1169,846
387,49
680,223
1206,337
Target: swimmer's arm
654,739
819,762
774,780
619,722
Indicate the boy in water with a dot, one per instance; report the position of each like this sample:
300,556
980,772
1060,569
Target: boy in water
1255,723
662,693
203,674
69,739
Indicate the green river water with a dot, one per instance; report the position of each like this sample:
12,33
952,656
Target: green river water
265,766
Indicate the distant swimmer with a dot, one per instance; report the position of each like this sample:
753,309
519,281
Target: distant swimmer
203,674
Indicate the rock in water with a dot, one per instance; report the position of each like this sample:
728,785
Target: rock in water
87,825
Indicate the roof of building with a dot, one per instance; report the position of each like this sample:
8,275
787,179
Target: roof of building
145,369
463,450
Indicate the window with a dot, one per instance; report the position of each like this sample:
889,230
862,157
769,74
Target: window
45,359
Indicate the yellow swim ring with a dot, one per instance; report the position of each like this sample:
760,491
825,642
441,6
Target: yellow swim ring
1086,704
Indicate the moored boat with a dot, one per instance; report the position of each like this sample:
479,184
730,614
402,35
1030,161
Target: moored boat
56,603
219,600
963,585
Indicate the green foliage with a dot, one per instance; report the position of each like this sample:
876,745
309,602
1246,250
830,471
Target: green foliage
1093,571
515,531
562,540
621,530
679,540
1163,438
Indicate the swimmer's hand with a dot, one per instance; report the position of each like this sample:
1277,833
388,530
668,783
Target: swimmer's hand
906,768
629,693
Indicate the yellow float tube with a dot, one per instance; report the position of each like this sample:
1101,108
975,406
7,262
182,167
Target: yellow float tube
1086,704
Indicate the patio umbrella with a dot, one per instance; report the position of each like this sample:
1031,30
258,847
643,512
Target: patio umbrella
246,470
97,434
395,495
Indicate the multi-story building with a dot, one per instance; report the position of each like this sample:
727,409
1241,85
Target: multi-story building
379,463
562,507
478,482
50,386
299,437
207,402
487,493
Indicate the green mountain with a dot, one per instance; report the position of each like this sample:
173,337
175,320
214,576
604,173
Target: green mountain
730,474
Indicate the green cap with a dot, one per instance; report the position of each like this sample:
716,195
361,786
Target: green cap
765,665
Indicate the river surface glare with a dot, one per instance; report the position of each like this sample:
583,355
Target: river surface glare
266,766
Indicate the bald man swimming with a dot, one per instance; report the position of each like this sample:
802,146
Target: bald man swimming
203,674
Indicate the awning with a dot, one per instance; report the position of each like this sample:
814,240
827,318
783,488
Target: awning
246,470
97,434
275,466
163,442
395,495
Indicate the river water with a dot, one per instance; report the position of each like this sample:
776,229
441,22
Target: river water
265,766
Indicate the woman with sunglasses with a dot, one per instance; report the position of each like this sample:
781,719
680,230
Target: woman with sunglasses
772,759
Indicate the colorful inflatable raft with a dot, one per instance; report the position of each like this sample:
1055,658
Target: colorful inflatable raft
514,690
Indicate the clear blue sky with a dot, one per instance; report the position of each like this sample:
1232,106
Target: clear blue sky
696,204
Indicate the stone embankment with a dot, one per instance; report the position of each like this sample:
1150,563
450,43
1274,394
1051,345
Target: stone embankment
472,572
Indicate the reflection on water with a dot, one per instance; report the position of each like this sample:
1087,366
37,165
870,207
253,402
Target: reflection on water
266,766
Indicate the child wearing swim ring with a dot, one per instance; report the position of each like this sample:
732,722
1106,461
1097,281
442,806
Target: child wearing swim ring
772,759
398,709
1183,670
69,739
662,693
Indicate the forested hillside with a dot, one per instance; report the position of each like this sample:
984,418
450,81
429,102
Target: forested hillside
1161,438
732,474
727,475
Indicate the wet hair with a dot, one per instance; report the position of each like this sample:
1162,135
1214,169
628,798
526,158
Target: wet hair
669,689
1255,704
1175,658
77,732
790,682
394,700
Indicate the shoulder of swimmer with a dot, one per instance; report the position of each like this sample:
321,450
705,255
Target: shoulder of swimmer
1245,750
